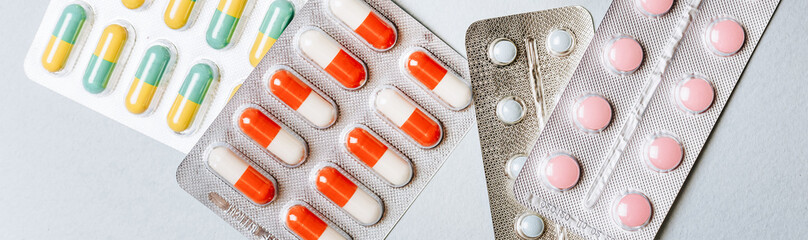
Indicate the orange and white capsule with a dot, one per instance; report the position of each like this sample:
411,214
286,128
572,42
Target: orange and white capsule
299,96
342,66
367,147
243,177
307,225
404,114
358,203
281,143
368,25
447,86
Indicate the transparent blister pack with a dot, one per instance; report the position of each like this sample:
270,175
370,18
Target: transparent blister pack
333,118
519,65
631,122
137,61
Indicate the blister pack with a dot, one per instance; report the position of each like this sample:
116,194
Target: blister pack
631,122
337,130
518,65
163,68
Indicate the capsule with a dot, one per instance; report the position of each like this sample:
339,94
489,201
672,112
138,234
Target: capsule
133,4
280,142
367,24
243,177
278,16
178,12
102,63
308,226
432,75
224,22
410,118
299,96
63,38
335,60
149,74
380,157
233,93
190,98
343,192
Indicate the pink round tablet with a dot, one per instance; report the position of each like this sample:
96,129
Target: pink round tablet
694,94
725,36
632,211
654,8
663,153
592,113
623,54
561,171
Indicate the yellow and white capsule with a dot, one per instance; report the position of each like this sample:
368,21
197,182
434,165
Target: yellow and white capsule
155,64
191,97
64,36
178,12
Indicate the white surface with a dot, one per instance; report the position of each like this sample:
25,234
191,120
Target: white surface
71,173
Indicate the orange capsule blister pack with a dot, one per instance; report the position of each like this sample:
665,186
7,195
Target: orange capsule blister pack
337,130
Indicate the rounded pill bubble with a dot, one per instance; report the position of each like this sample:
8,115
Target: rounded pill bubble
529,226
560,42
654,8
502,51
510,110
694,94
561,171
514,165
725,36
623,55
632,211
663,153
592,113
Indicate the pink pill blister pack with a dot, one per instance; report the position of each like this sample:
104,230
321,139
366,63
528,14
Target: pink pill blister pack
338,128
631,122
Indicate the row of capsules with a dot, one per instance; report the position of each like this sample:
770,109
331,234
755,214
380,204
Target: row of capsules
690,48
157,64
350,73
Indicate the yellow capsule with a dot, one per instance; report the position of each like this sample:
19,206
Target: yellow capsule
64,37
235,89
178,12
133,4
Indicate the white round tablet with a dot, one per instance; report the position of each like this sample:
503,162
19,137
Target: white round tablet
514,165
510,110
560,42
502,51
529,226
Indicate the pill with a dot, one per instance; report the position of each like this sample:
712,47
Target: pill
380,157
306,225
192,94
301,98
502,51
561,171
224,22
149,74
340,65
371,27
654,8
694,94
233,93
404,114
560,42
514,165
278,16
592,113
510,110
529,226
663,153
432,75
725,36
243,177
343,192
281,143
623,55
63,38
102,63
632,211
178,12
133,4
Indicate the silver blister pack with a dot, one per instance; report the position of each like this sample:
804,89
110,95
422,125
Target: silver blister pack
521,83
627,130
325,145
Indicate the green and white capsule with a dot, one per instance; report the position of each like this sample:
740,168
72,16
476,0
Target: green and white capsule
102,64
224,22
153,68
278,16
64,36
191,97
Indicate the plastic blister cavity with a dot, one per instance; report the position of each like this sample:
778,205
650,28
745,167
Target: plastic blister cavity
69,34
342,66
434,77
376,155
111,52
407,117
235,170
363,22
300,96
344,191
266,132
193,98
147,88
302,220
